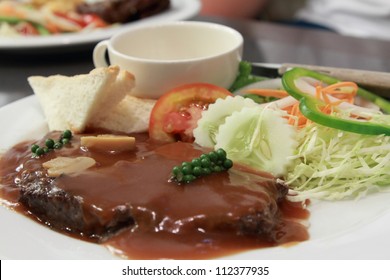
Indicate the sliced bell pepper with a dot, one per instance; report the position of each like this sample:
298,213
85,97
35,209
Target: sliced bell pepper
41,30
310,105
10,20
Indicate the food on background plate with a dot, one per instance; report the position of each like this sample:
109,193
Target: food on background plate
40,18
122,11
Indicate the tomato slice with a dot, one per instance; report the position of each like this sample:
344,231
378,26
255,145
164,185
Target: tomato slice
176,113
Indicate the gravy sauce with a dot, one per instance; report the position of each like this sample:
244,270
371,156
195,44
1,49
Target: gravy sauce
200,220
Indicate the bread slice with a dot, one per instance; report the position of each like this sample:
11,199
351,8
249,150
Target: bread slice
71,102
131,115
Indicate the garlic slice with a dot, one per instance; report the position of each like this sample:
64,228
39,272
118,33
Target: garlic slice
67,165
108,142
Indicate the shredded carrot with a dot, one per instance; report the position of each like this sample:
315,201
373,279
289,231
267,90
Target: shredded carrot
268,92
344,91
295,117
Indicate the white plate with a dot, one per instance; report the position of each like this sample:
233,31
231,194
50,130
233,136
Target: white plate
339,230
180,10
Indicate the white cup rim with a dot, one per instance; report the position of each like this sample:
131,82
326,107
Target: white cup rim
235,33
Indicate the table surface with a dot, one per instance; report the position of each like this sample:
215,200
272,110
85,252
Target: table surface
263,42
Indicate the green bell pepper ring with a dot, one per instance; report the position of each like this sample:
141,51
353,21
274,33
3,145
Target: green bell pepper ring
310,106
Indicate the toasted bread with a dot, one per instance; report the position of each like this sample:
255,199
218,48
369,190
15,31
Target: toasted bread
131,115
72,102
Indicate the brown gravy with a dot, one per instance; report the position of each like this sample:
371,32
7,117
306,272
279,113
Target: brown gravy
194,221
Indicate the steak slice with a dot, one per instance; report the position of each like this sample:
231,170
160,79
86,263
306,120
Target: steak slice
64,211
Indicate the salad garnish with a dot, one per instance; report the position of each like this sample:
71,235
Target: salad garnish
328,139
333,164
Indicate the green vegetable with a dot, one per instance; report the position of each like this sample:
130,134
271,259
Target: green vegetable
14,20
333,164
244,76
260,99
259,137
50,144
215,115
215,161
10,20
310,106
41,29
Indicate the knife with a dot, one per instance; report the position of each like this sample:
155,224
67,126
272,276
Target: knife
375,81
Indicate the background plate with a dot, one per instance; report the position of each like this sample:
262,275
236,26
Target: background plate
180,10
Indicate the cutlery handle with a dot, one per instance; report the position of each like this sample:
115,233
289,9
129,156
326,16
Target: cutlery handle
369,79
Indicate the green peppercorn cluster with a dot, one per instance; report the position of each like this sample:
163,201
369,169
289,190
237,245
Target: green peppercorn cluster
51,144
215,161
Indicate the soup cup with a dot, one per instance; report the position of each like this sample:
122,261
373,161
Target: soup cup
165,55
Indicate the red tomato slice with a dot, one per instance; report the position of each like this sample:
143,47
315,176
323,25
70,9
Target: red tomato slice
176,113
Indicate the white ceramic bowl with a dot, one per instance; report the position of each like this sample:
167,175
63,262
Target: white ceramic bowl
165,55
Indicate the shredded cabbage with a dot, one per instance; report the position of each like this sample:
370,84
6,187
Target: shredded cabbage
332,164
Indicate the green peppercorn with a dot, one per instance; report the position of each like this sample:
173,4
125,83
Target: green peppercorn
196,162
213,156
67,134
206,171
205,162
57,145
186,164
221,154
176,171
227,163
187,169
39,151
188,178
217,168
65,141
34,148
197,171
202,156
49,143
